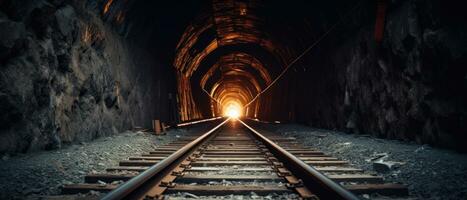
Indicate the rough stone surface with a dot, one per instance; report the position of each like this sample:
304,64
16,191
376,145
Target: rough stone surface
430,173
67,77
412,86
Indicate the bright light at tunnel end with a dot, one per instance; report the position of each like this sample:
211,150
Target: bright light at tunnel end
232,111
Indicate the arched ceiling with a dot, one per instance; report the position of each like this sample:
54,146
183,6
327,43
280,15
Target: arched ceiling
240,64
229,50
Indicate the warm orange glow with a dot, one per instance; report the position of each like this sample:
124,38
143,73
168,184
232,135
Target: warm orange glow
233,110
107,6
242,9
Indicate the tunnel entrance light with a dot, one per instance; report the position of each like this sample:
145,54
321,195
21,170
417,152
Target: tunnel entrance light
233,111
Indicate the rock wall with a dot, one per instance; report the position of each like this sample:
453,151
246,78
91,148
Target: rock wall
65,77
413,86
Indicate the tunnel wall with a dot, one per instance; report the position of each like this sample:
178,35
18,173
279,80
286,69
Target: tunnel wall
412,86
65,77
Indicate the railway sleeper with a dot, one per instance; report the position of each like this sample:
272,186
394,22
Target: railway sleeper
383,189
227,190
227,151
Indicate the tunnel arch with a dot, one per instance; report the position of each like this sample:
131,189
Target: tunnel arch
235,29
213,30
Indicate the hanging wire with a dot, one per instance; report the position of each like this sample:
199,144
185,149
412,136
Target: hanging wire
290,65
302,54
296,59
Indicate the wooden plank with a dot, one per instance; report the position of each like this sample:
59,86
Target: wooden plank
357,178
173,146
245,169
157,126
232,137
233,153
160,153
227,190
284,143
137,163
236,156
244,139
252,148
67,197
294,144
157,154
326,163
108,178
322,169
300,149
233,143
178,143
231,149
207,178
306,153
127,168
316,155
216,140
228,151
246,148
164,150
86,187
338,169
154,155
146,158
210,163
318,159
383,189
226,145
228,138
231,159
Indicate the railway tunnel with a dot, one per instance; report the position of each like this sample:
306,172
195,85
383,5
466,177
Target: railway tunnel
75,72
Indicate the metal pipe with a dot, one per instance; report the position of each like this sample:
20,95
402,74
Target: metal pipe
128,187
314,180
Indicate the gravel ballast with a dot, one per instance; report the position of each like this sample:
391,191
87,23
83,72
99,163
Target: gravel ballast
429,173
43,173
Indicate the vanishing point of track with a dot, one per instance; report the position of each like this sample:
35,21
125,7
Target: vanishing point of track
234,159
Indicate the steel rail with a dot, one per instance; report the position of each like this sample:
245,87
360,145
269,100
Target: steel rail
130,186
196,122
314,180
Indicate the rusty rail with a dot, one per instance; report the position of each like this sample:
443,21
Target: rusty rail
314,180
133,184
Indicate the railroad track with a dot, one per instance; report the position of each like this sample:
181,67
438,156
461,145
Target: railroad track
234,159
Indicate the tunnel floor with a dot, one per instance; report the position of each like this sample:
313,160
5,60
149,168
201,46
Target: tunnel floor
429,173
43,173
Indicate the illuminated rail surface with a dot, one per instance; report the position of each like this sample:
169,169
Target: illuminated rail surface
233,158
